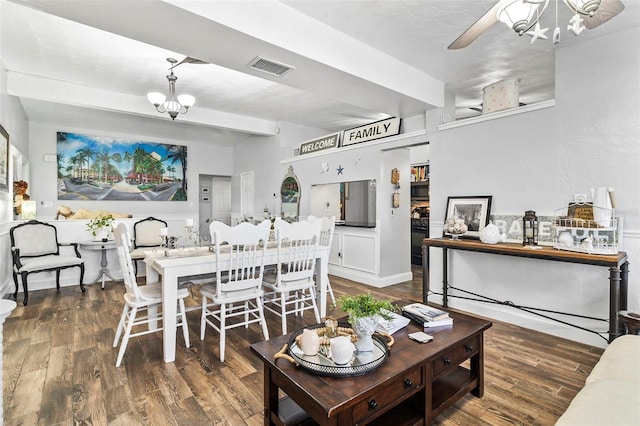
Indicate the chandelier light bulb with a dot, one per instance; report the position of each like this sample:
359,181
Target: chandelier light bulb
156,98
186,100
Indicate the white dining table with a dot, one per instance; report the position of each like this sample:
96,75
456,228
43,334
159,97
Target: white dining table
168,266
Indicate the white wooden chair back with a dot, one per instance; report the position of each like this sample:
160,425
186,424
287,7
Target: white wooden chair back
297,243
327,226
241,273
123,247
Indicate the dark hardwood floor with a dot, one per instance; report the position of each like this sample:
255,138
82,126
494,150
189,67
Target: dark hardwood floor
59,368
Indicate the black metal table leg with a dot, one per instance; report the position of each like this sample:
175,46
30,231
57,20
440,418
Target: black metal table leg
614,302
445,278
425,274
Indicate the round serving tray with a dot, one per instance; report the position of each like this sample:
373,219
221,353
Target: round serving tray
322,364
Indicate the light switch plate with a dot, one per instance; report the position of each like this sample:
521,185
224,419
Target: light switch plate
49,158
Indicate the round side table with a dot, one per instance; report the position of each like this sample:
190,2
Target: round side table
103,246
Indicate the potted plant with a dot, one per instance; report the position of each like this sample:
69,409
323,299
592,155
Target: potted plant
364,313
101,227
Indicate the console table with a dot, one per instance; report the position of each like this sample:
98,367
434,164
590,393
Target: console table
618,268
415,384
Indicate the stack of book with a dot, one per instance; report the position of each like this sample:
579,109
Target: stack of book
426,315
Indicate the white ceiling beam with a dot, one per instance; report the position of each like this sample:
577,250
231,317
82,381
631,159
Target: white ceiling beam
327,62
278,24
44,89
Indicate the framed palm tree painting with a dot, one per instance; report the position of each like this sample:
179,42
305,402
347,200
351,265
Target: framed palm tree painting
105,168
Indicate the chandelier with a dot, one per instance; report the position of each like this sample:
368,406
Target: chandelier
174,105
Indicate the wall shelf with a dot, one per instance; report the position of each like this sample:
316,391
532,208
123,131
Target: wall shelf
499,114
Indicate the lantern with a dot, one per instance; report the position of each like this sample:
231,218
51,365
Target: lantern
530,228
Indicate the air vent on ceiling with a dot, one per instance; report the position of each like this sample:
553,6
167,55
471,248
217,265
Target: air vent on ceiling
270,67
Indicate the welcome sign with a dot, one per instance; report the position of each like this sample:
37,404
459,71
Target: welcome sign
320,144
377,130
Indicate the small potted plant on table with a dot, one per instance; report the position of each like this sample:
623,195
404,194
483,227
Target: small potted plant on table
101,227
365,312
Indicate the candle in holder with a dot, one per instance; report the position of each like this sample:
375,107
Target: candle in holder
188,222
164,231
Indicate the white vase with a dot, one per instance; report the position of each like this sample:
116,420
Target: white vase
103,234
364,329
341,349
309,342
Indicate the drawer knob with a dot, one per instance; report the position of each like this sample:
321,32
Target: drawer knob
446,360
373,404
468,347
408,383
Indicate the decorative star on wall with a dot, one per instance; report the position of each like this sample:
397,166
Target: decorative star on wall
340,169
537,33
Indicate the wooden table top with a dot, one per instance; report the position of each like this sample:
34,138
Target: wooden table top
332,393
516,249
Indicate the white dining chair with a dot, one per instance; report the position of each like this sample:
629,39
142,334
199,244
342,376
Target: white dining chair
327,228
292,289
141,302
236,298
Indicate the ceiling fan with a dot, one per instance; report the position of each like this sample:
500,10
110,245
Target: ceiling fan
523,15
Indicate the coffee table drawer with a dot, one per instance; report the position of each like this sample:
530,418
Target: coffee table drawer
409,382
455,355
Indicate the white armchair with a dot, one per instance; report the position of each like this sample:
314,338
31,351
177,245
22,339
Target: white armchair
146,235
35,248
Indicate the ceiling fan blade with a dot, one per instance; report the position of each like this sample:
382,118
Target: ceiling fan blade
478,27
607,10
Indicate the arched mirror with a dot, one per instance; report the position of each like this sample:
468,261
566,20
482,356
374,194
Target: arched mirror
290,196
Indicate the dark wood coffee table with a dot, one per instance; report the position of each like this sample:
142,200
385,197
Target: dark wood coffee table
415,384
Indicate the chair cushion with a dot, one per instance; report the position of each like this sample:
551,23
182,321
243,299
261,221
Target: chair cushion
152,294
623,351
32,264
138,253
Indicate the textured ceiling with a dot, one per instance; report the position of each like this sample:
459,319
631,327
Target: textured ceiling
355,61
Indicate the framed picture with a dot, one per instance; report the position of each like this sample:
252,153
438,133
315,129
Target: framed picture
473,210
4,160
131,170
205,189
205,199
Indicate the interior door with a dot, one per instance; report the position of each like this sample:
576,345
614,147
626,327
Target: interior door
221,206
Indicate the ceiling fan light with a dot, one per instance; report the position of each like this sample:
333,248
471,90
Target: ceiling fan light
584,7
156,98
518,14
186,100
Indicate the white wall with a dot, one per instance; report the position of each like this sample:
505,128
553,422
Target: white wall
14,121
262,155
537,161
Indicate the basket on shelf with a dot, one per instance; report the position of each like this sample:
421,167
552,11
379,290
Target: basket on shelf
585,228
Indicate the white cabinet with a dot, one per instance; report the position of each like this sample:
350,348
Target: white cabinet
354,254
